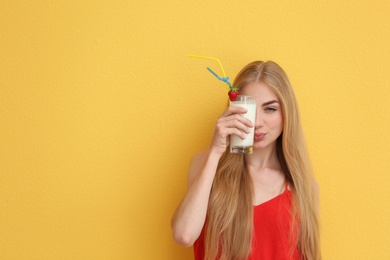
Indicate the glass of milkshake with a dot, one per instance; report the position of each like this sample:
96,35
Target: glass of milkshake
237,145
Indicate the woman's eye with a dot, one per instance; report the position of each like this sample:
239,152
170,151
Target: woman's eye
270,109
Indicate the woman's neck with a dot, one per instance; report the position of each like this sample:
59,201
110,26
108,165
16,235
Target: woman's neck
263,158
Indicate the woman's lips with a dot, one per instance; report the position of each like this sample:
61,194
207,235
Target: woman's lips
259,136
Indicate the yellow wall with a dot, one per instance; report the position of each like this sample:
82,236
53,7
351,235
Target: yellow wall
101,111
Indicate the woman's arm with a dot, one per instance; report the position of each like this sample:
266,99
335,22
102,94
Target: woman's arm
189,217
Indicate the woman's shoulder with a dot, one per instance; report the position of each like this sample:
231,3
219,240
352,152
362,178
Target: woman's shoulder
315,187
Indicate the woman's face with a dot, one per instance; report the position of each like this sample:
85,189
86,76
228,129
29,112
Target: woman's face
269,117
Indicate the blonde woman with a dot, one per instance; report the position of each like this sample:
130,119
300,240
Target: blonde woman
263,205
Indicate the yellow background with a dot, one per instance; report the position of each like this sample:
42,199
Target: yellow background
101,111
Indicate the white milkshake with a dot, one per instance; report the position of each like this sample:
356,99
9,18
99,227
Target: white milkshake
237,145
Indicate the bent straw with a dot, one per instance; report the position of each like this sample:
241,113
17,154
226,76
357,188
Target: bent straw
209,58
224,79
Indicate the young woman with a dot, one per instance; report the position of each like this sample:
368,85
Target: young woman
263,205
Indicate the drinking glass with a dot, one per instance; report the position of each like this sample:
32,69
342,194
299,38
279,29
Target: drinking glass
237,145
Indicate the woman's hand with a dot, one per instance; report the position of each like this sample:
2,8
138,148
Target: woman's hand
230,122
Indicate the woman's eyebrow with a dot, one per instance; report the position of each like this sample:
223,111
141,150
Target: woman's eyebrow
269,103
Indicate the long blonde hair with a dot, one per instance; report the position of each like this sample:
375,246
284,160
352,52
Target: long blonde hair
229,224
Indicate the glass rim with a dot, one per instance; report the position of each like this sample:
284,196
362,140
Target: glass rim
245,97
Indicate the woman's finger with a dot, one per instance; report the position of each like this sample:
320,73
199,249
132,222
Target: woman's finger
234,110
237,121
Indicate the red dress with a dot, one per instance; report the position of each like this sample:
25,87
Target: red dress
271,231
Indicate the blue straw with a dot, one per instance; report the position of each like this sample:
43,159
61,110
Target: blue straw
226,80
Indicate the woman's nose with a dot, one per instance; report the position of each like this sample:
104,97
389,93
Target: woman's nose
259,119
